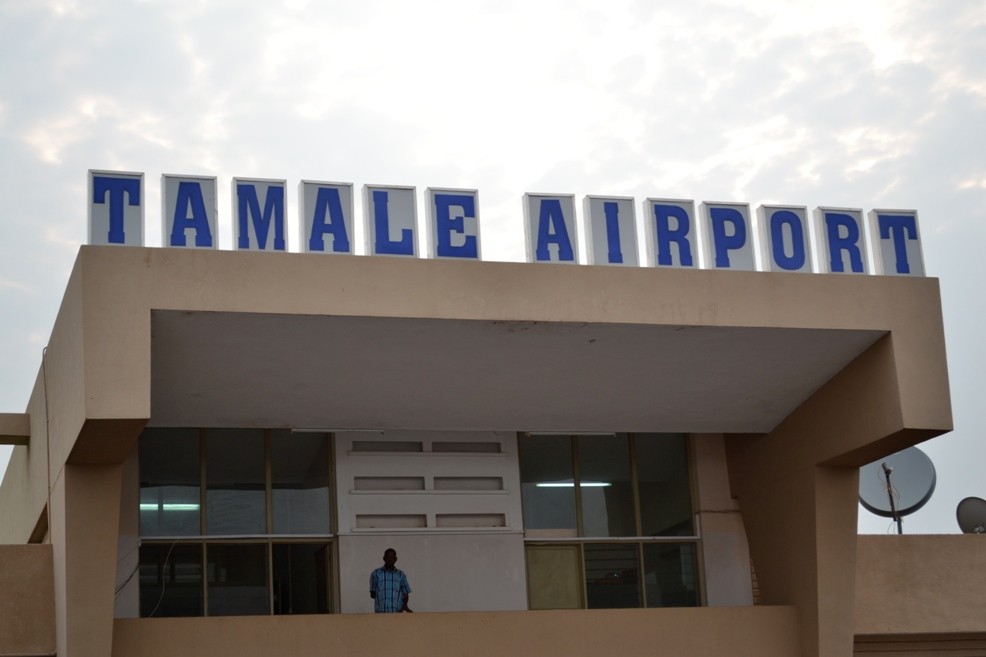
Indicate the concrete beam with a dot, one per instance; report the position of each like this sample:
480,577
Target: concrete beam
15,428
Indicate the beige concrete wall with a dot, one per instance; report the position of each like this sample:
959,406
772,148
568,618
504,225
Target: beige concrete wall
27,602
85,509
734,631
921,584
798,484
725,552
99,359
24,492
461,572
121,285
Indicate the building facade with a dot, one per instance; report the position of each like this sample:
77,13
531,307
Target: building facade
564,458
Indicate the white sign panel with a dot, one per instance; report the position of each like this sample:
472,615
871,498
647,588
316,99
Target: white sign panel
785,240
549,228
390,218
670,233
258,214
327,217
189,211
610,230
116,208
898,244
728,236
842,238
452,216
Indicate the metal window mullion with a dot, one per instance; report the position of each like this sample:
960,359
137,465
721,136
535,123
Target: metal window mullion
582,575
333,595
333,497
203,520
699,550
203,485
203,555
579,525
692,469
268,484
269,506
635,480
577,485
270,577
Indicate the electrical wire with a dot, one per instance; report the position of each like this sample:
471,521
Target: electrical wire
164,580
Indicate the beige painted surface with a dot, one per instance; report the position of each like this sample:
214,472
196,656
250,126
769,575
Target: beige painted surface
15,428
121,285
798,485
725,553
24,492
461,572
921,584
85,523
27,604
737,632
795,485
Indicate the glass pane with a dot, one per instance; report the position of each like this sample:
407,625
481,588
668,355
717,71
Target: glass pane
553,579
606,486
547,484
169,482
299,465
665,489
612,575
670,575
170,580
235,476
237,579
301,584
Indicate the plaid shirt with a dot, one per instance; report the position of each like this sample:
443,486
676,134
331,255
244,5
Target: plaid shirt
390,587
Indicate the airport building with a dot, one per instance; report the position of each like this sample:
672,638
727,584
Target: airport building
568,460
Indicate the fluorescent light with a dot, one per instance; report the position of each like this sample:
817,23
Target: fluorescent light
171,506
569,484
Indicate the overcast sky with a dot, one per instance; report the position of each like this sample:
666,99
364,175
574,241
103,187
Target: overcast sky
840,103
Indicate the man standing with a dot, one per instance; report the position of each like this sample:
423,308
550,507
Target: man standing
388,586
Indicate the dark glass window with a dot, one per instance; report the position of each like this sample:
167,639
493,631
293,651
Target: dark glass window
670,575
299,464
612,575
633,488
547,483
237,579
170,580
228,561
235,480
606,486
170,483
664,485
301,578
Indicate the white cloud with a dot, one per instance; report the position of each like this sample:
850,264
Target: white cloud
14,285
837,102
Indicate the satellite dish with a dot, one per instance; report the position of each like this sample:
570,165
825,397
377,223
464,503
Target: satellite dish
971,514
897,485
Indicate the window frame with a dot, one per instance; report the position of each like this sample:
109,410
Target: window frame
269,539
535,539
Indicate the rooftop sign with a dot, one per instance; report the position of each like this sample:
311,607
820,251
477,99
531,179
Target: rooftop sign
720,235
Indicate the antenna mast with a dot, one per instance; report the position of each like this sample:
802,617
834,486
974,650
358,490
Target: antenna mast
890,496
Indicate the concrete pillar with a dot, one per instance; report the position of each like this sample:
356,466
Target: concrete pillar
798,487
85,512
725,554
802,532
